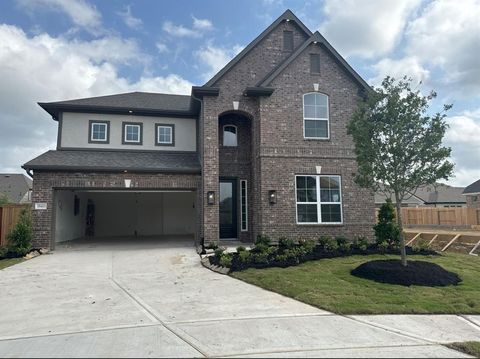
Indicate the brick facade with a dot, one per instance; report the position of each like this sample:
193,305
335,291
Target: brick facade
473,201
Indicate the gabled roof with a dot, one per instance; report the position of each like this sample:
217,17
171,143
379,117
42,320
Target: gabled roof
116,161
14,186
474,188
315,38
433,194
287,15
140,103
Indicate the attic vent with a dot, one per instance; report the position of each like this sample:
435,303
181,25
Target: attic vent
288,41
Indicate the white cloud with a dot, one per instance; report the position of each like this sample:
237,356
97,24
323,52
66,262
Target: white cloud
213,58
366,28
162,48
447,35
409,66
179,30
463,136
80,12
45,68
202,24
130,20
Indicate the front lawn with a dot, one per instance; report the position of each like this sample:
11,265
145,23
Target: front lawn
470,348
4,263
328,284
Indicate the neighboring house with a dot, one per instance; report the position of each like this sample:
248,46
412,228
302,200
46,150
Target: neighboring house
261,148
16,187
440,195
472,194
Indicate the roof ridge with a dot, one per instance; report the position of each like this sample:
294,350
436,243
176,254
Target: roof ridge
287,15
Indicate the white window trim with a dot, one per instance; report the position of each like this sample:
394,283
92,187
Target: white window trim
139,133
223,135
317,119
91,132
318,202
171,135
246,207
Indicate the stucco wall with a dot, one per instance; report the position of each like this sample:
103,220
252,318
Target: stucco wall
75,131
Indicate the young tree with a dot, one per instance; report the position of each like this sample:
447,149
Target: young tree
398,145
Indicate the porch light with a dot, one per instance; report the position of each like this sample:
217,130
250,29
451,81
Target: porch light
211,197
272,196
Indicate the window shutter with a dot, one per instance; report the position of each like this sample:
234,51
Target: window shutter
288,40
315,63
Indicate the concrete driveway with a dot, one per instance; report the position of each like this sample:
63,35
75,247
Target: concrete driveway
154,299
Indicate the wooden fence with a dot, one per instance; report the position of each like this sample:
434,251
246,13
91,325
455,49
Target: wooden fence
9,214
461,217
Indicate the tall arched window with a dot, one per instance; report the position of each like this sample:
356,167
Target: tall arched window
230,135
315,116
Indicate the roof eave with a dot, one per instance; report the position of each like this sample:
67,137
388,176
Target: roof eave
258,91
201,91
111,169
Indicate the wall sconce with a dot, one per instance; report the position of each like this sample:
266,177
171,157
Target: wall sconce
211,197
272,196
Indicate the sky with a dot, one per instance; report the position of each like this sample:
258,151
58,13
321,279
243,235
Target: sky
52,50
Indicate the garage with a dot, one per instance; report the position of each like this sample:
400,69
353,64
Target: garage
123,213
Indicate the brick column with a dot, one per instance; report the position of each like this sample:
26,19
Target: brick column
42,219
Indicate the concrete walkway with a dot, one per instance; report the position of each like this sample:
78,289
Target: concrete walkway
154,299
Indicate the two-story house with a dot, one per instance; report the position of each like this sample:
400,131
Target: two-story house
261,148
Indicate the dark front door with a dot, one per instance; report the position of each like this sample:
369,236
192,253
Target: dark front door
228,208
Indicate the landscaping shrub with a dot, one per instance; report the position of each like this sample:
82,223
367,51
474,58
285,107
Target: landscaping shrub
308,245
343,244
20,238
244,257
3,252
328,244
241,249
285,243
420,246
386,230
226,260
218,252
383,247
361,243
263,239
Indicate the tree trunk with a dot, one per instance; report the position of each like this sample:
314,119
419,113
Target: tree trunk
403,252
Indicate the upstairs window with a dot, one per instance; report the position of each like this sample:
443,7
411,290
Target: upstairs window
98,132
165,135
315,63
230,136
132,133
315,116
288,41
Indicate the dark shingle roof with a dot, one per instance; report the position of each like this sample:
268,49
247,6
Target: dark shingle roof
14,186
473,188
137,161
137,102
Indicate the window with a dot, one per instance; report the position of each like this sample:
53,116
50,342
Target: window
315,116
98,131
230,135
243,205
288,41
319,199
165,135
315,63
132,133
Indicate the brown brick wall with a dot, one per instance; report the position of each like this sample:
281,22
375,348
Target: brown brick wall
45,183
473,201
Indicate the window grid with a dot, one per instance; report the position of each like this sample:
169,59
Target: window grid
99,131
243,203
311,205
316,116
132,133
164,134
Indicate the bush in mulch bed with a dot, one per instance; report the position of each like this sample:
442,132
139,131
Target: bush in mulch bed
415,273
289,253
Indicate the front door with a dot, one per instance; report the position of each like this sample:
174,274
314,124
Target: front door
228,208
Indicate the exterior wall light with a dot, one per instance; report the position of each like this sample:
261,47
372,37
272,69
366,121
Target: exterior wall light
211,197
272,196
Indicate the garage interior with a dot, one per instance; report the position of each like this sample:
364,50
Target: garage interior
124,213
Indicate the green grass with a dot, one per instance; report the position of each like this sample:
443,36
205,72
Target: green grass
4,263
328,284
470,348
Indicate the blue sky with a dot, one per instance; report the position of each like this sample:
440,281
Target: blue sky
61,49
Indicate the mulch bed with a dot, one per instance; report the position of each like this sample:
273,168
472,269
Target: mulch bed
415,273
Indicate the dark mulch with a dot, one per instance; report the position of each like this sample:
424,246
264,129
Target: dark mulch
415,273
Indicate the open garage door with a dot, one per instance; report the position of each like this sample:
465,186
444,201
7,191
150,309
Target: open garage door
123,213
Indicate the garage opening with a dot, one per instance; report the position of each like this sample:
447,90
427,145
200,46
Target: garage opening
100,214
